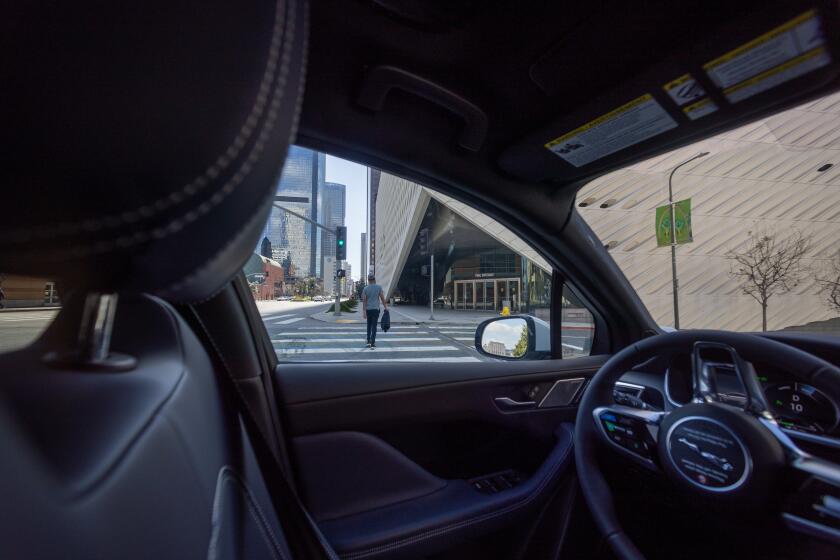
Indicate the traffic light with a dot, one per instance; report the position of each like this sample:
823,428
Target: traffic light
424,239
341,243
341,273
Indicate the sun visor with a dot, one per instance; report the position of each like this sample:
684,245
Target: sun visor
737,73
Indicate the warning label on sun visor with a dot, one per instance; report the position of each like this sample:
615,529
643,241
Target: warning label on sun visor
630,124
786,52
700,109
684,89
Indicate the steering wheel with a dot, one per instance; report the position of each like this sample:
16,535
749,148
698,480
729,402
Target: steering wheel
709,446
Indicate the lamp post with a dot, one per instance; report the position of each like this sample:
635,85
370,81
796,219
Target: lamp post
674,238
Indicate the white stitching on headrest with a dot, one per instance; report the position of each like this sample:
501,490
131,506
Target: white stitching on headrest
153,208
290,32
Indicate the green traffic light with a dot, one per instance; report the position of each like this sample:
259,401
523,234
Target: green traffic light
341,242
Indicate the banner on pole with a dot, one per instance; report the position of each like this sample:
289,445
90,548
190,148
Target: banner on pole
682,220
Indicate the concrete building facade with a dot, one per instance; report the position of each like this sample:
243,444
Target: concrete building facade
779,175
375,178
363,251
479,263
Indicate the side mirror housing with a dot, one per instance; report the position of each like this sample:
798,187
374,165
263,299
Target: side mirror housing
518,337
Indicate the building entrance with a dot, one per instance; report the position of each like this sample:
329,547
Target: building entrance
489,295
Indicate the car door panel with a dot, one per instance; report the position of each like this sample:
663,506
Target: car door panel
404,447
347,396
437,520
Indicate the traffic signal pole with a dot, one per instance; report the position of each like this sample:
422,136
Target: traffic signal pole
337,308
337,304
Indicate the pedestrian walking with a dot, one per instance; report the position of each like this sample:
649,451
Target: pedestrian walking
371,297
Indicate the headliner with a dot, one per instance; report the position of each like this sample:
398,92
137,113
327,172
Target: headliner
529,68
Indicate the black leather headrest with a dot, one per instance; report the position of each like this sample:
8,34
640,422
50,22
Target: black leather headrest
142,140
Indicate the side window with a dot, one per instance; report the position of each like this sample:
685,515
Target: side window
371,241
27,306
577,326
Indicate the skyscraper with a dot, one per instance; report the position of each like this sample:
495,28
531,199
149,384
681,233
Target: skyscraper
332,202
298,190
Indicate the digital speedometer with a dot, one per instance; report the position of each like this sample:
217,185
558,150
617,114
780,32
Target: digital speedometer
801,407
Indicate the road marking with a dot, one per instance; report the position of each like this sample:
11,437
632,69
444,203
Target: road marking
379,338
471,339
299,334
28,318
455,332
377,350
281,316
289,321
359,328
452,359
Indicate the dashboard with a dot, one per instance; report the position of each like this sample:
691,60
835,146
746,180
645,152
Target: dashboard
797,406
802,410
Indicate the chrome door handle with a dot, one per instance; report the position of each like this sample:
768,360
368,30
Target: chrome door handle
507,403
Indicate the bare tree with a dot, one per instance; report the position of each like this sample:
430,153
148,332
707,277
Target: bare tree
769,266
829,281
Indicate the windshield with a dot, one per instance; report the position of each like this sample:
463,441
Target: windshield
756,218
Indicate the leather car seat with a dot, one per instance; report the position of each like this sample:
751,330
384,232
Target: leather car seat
142,146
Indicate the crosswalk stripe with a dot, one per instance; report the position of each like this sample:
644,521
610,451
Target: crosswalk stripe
470,338
359,328
280,316
20,319
299,334
378,350
379,338
289,321
436,359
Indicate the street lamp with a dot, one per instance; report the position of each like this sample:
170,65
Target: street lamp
674,238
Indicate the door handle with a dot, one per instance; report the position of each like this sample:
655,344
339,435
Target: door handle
507,403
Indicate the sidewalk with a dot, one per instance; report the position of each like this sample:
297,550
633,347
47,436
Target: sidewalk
411,314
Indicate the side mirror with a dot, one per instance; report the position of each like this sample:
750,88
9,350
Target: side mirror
520,337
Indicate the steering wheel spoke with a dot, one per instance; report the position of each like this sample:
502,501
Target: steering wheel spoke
705,384
631,430
814,507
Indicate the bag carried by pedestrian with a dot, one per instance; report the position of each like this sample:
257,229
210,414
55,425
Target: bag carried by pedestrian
386,320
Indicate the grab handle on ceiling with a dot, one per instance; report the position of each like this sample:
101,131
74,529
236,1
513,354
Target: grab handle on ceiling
380,80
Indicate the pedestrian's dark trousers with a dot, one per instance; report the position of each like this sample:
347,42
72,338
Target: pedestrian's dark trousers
372,319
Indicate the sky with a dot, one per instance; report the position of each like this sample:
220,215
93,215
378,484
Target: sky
506,332
354,177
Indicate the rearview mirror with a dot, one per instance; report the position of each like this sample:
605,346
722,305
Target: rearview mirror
520,337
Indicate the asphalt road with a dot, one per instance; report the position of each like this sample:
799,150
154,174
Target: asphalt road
19,328
297,337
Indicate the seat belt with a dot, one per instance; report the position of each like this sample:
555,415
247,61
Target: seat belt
302,534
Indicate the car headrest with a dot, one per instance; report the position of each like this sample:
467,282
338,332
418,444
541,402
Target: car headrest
143,141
